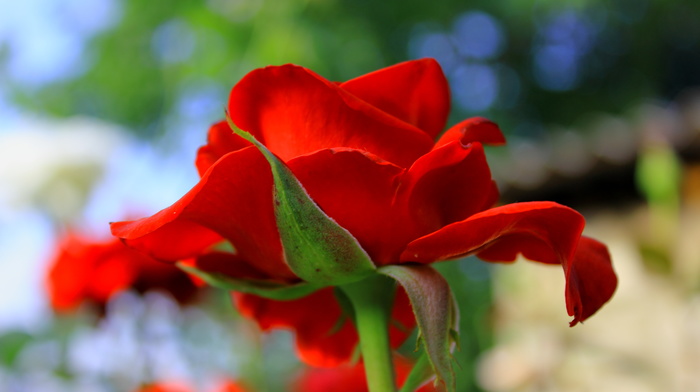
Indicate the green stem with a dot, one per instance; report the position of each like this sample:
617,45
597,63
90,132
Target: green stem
371,300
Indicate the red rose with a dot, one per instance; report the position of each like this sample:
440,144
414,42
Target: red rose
365,152
83,270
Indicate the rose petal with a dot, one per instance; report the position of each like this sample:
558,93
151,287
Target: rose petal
316,248
166,237
357,190
229,386
156,275
349,378
541,231
385,207
323,338
475,129
86,270
413,91
165,387
233,200
447,185
591,280
293,111
230,265
220,141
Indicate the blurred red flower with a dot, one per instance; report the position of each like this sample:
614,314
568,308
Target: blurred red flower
165,387
226,386
350,378
365,152
87,271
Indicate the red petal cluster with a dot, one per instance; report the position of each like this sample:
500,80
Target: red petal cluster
326,336
165,387
350,378
88,271
227,386
366,153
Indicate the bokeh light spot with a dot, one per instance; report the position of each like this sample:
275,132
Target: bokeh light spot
475,86
173,41
478,35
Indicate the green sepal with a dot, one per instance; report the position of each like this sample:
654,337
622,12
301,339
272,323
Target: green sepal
436,315
266,289
316,248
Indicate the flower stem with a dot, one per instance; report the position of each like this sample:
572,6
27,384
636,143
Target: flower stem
372,299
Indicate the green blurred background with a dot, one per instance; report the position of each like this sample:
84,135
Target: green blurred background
583,91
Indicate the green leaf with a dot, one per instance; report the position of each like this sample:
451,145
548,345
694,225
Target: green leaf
316,248
435,311
261,288
11,345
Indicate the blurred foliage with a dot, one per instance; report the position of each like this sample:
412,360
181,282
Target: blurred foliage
548,63
11,344
659,175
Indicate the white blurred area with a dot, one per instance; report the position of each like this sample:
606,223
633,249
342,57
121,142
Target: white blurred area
47,169
647,339
139,340
75,173
80,173
52,164
47,166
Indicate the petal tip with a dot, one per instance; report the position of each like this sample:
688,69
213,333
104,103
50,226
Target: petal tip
475,129
591,280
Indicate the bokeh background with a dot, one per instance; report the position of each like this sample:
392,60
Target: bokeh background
104,102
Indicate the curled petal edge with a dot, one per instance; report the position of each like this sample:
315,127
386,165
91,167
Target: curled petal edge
475,129
540,231
591,280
